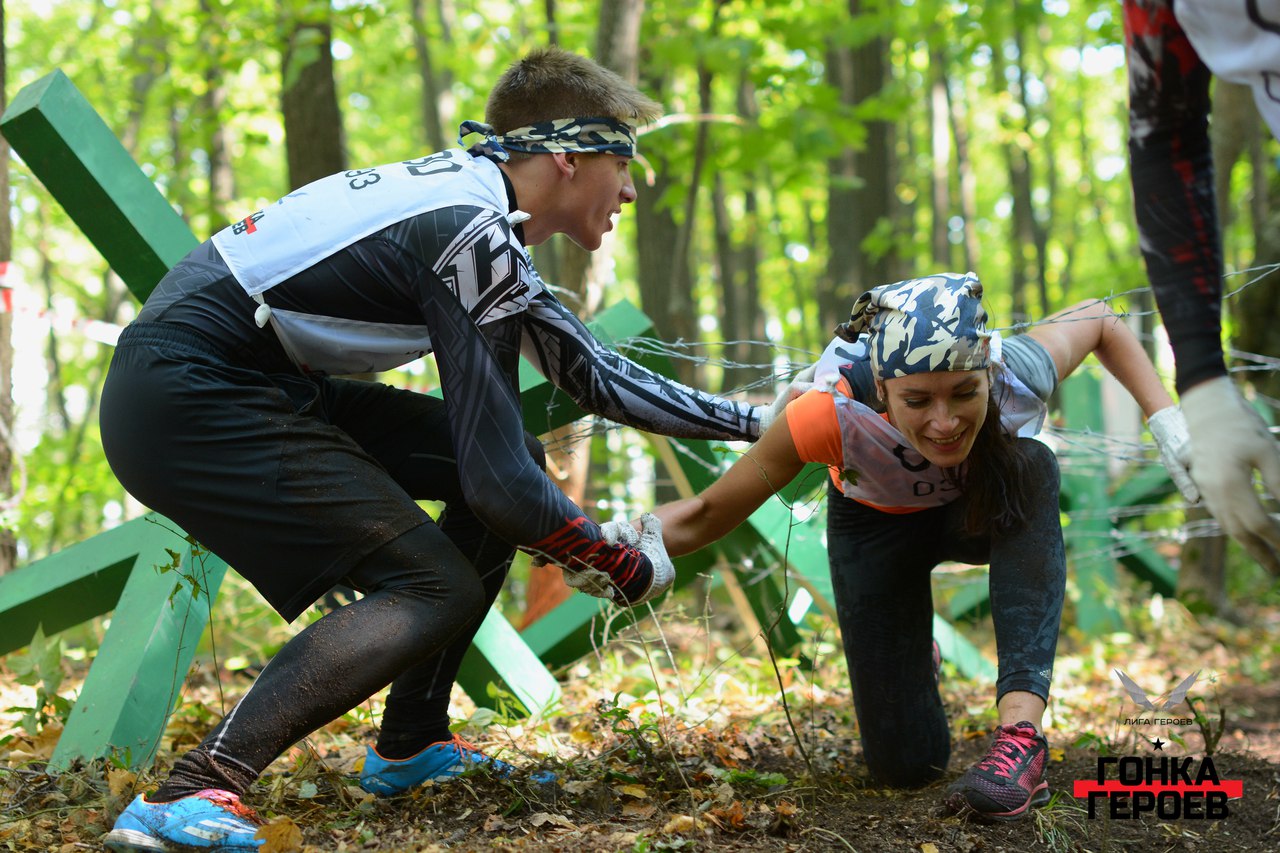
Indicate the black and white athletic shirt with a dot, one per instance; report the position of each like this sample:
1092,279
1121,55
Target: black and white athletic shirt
409,230
372,268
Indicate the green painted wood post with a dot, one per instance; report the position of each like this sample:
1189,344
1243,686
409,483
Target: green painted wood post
1085,496
157,621
83,165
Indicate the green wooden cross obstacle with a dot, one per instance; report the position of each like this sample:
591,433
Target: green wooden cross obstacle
160,586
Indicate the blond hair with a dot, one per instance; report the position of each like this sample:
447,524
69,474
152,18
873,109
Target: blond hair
552,83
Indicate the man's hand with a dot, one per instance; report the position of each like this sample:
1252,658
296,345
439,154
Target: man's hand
1229,441
1169,429
802,382
648,540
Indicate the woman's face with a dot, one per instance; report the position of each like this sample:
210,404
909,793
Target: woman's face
939,413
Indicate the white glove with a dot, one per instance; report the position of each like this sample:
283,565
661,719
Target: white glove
593,581
648,541
1169,429
802,382
1229,441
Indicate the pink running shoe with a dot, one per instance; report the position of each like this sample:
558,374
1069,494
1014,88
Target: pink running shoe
1009,780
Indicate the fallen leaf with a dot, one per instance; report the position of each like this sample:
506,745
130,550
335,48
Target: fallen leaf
542,818
643,811
680,823
120,781
282,835
1056,754
732,814
928,847
636,791
44,743
579,786
495,823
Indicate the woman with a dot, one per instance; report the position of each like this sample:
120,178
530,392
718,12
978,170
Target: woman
926,422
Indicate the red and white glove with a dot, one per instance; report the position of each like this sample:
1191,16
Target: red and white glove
1229,441
648,540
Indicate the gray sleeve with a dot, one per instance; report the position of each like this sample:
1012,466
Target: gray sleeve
1031,363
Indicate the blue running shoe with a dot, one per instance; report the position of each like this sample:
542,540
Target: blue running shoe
439,762
211,820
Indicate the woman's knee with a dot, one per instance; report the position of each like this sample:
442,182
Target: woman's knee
1042,462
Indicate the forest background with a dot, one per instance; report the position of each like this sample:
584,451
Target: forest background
811,150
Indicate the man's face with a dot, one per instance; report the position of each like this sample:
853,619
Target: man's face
939,413
601,185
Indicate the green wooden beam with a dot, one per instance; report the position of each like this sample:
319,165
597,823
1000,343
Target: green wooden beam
1085,494
141,667
1149,484
157,619
957,649
499,658
83,165
1141,558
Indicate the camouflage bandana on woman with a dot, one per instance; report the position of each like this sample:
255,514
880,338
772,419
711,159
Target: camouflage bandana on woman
604,135
923,325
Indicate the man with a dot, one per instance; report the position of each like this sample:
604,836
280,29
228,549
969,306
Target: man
219,412
1173,51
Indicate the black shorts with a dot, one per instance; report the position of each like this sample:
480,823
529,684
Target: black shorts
291,479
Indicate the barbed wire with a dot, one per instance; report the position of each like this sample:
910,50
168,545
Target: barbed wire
1080,452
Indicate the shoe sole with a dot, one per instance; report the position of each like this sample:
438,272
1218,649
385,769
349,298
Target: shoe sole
131,841
1039,797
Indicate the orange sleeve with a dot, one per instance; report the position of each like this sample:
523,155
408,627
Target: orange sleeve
815,429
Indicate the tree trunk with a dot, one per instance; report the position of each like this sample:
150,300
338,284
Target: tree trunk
1025,265
940,161
432,85
309,100
860,190
8,547
967,179
221,178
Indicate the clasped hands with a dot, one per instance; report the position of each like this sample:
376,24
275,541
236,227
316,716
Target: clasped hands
648,541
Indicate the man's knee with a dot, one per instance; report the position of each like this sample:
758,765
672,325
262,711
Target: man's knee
422,564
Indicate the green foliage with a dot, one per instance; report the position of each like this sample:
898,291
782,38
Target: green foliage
1044,81
40,666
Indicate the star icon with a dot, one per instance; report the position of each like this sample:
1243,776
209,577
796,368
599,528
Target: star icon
1158,744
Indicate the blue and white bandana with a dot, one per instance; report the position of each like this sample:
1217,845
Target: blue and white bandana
603,135
923,325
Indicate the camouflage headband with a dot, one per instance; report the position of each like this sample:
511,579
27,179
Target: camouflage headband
606,135
923,325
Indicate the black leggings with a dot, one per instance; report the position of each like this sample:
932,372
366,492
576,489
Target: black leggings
420,594
880,573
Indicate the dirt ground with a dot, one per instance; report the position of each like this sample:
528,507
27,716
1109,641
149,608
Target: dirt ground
735,790
724,770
